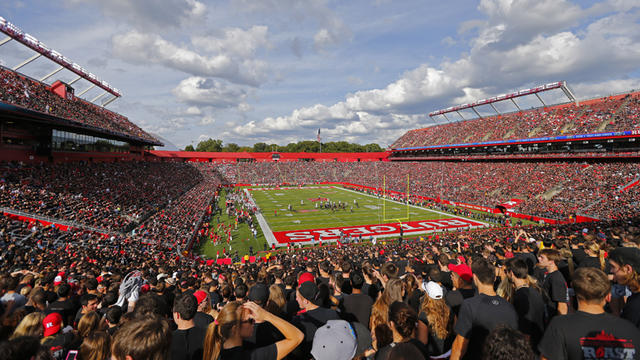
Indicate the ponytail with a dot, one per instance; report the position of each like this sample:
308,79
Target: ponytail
220,330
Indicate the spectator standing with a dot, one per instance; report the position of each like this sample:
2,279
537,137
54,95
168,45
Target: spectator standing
202,319
187,340
554,283
88,303
142,339
590,333
625,266
357,306
480,314
311,317
438,318
235,322
527,300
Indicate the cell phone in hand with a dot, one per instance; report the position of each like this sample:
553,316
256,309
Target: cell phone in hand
72,355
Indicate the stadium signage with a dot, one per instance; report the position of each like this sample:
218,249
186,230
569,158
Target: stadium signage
375,230
540,139
38,46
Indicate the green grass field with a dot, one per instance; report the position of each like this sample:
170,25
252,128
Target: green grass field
370,210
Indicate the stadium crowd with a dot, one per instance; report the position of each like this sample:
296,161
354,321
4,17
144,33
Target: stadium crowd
499,293
602,115
110,196
21,91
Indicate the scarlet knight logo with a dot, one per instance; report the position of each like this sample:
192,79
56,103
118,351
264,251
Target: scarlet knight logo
606,346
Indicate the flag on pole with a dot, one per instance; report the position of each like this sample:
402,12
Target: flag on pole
318,137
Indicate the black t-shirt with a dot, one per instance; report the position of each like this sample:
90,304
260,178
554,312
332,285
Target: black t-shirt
202,320
383,354
65,308
594,262
481,314
529,305
263,334
357,307
556,287
308,322
269,352
631,310
455,298
371,290
187,344
590,336
436,345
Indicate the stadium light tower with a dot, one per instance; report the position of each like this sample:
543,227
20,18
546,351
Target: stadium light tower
16,34
562,85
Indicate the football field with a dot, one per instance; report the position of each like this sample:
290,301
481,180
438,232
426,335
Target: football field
301,214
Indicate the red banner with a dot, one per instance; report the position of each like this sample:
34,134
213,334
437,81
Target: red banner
389,229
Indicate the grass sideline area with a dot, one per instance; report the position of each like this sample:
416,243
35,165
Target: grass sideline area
274,204
242,239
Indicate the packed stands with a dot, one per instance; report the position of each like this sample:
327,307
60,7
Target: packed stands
618,113
32,95
110,196
549,189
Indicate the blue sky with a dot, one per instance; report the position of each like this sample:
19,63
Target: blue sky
363,71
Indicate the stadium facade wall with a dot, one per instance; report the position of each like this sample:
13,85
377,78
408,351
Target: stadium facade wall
266,156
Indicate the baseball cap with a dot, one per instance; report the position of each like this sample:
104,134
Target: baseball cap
304,277
335,340
463,270
308,290
52,324
433,290
627,256
200,296
259,293
58,279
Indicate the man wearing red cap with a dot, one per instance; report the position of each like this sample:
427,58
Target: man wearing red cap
55,340
201,318
462,278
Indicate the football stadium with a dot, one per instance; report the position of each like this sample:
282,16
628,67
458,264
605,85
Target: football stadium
503,223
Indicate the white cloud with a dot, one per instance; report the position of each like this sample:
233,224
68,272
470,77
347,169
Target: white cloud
193,110
201,91
207,120
234,41
141,48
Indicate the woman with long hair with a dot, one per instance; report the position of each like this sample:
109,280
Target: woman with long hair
276,302
96,346
380,309
89,323
438,318
402,322
235,322
380,312
31,325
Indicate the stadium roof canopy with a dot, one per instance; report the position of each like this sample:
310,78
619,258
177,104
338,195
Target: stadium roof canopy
562,85
16,34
